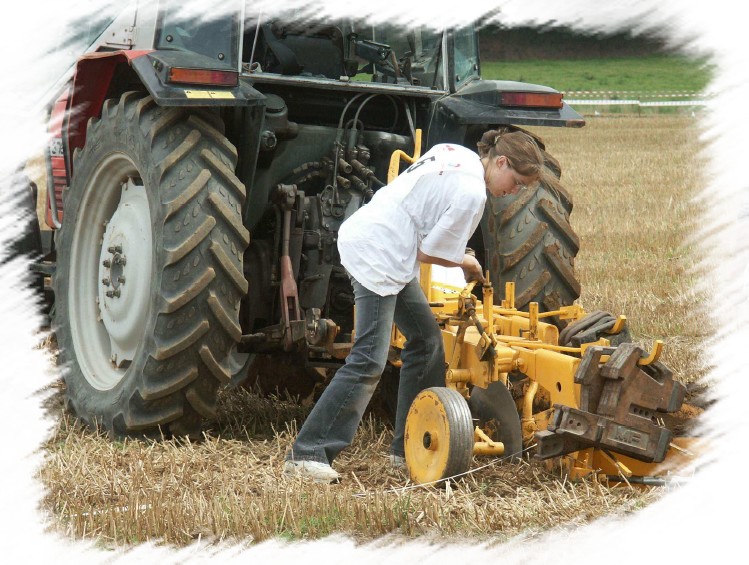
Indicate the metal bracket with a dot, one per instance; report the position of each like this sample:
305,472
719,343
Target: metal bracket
618,401
122,37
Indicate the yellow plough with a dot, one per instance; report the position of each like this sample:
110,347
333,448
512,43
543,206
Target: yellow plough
511,386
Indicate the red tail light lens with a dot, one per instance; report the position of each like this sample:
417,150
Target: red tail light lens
532,99
207,77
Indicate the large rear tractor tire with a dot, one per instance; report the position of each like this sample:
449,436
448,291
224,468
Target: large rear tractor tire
529,240
149,272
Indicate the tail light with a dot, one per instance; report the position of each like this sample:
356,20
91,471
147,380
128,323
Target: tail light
206,77
532,99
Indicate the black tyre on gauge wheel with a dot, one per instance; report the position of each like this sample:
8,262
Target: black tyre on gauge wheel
529,241
149,269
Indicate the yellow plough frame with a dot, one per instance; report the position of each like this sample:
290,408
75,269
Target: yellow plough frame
600,404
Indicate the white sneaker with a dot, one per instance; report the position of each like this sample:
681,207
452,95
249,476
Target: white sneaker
318,472
398,462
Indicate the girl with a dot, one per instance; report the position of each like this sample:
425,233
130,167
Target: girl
427,214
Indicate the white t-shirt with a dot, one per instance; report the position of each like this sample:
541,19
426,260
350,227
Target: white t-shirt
435,205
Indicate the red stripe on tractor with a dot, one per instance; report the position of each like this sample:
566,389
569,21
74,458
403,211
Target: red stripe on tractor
72,110
59,179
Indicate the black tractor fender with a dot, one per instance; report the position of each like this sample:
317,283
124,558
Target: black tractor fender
103,75
153,70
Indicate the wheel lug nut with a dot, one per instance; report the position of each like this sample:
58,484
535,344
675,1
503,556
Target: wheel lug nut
115,249
105,282
119,260
107,263
121,280
113,293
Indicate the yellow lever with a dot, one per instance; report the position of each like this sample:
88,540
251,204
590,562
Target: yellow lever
399,154
654,355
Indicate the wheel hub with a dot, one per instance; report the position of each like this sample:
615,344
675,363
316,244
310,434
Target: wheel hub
427,441
125,273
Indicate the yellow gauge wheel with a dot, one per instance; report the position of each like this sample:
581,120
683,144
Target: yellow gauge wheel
439,435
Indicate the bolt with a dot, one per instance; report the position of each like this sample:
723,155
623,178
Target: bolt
121,280
113,293
107,263
119,260
115,249
105,282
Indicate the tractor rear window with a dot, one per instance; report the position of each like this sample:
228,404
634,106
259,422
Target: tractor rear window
465,55
344,48
215,38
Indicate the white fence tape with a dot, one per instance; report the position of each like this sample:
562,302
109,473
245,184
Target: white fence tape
639,103
638,93
677,103
603,102
635,98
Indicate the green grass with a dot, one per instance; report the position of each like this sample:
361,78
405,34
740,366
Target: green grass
657,73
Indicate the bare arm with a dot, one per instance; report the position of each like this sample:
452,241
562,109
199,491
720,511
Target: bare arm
470,265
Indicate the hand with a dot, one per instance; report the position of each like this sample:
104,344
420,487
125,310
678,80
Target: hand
472,270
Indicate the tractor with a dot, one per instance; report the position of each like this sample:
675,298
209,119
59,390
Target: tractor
198,171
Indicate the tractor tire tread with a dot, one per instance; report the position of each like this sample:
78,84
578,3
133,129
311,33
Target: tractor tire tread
174,302
217,370
234,274
528,239
189,244
560,223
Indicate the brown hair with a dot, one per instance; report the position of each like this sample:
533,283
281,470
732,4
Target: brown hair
520,148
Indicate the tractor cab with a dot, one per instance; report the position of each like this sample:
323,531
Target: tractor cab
419,57
285,44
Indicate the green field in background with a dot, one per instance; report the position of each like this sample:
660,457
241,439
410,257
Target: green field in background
658,73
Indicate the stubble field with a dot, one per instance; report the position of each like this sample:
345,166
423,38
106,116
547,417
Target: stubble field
634,181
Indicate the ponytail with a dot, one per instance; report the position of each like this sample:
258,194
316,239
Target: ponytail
521,150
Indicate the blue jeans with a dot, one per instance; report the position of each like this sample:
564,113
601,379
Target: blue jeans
331,425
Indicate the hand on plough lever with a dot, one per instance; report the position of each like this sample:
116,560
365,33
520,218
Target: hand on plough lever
467,304
471,267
